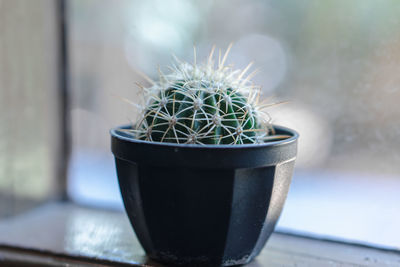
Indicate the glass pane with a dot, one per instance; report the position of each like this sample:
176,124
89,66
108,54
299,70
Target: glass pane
28,103
336,62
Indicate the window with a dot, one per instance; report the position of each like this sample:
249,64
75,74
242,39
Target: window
336,62
65,67
29,105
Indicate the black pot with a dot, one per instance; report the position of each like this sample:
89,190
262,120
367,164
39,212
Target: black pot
203,205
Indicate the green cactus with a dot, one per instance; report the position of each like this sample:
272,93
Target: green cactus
204,104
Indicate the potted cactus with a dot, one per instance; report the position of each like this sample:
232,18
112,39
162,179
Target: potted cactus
203,173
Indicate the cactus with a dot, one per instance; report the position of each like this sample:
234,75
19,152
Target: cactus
204,104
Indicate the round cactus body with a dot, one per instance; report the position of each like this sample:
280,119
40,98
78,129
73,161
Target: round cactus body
203,104
200,113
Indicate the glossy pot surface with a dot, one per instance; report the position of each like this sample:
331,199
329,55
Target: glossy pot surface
203,205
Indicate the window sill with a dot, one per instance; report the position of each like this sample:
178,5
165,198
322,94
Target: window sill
60,233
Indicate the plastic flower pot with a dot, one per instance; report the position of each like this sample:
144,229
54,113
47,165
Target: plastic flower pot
203,204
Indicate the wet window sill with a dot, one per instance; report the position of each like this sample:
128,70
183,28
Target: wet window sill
57,234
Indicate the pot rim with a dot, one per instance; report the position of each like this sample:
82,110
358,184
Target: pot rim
204,156
294,136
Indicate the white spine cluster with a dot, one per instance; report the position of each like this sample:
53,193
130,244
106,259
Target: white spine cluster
178,107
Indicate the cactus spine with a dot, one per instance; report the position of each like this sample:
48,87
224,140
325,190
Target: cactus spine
204,104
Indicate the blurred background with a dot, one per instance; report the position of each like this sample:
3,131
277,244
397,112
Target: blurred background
336,62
